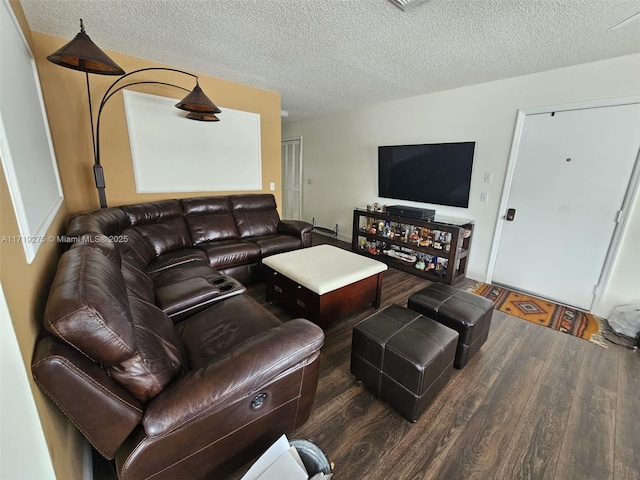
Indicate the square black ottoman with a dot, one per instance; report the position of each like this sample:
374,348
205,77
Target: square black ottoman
467,313
403,357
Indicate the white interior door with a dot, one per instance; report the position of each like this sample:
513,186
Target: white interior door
292,179
571,174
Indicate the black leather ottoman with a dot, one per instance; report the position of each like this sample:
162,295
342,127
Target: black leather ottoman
467,313
403,357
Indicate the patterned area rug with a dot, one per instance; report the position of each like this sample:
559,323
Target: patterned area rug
543,312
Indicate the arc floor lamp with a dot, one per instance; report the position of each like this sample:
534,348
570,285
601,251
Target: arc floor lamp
84,55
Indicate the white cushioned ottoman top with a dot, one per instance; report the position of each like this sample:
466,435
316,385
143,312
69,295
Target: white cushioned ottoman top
324,268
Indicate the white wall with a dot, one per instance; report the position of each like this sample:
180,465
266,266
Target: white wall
23,449
340,151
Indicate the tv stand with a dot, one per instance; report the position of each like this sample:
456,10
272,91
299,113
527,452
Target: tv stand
436,249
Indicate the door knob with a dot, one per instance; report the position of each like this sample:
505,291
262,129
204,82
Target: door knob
511,214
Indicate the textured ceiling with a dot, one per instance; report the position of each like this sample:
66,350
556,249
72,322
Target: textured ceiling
329,55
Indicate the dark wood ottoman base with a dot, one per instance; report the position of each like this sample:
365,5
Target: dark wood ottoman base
403,357
326,308
467,313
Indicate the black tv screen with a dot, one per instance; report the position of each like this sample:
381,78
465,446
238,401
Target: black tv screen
438,173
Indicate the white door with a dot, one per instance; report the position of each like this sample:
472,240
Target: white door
571,174
292,179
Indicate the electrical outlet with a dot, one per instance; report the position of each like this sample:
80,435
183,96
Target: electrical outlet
272,186
487,177
484,196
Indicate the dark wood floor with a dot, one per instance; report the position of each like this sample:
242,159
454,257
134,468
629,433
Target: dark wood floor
532,404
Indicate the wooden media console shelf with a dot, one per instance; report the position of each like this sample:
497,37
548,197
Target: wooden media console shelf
437,250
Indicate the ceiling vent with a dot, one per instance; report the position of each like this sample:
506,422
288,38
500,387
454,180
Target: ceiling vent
405,4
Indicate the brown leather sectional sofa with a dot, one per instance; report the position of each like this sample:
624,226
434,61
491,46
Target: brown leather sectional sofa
155,351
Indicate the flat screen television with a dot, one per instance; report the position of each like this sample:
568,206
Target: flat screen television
437,173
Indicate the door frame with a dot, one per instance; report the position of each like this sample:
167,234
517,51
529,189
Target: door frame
630,194
294,139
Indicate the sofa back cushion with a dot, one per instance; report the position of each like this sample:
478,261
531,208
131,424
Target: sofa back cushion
255,214
209,219
100,243
161,223
137,283
89,309
158,356
108,221
135,248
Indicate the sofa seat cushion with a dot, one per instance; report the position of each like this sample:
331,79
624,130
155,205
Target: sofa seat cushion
272,244
229,253
177,257
217,329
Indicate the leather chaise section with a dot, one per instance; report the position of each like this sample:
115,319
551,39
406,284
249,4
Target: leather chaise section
209,334
244,368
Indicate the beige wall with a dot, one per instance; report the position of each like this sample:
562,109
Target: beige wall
340,151
66,100
26,285
66,103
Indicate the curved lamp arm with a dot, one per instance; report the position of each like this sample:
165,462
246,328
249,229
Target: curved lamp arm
205,111
107,97
84,55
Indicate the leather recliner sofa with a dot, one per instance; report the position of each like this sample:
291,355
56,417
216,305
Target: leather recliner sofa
155,362
232,233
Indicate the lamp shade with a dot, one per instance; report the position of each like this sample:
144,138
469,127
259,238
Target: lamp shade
202,117
84,55
198,102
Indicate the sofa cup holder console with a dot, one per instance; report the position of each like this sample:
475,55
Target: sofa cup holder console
227,286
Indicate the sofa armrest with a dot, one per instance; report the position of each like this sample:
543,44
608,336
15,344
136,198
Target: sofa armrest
184,296
294,227
99,407
245,369
298,228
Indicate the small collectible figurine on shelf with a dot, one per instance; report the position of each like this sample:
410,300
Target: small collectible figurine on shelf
414,237
437,242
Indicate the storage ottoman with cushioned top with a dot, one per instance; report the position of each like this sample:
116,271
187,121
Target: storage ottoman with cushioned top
467,313
323,283
403,357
